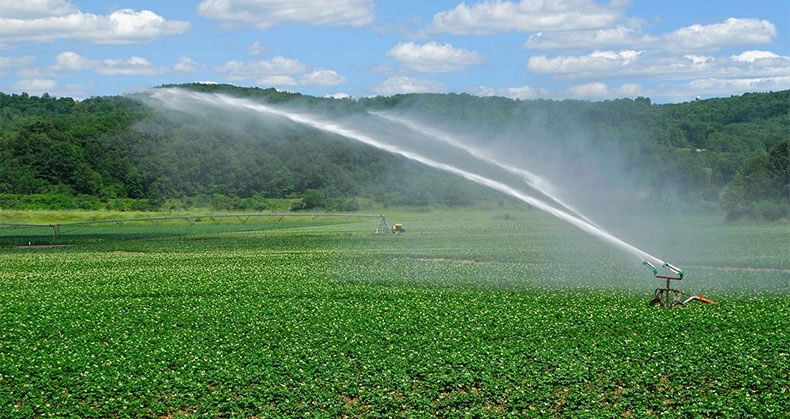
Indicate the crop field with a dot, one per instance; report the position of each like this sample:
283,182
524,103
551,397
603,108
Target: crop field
470,312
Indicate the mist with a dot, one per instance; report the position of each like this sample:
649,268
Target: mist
430,147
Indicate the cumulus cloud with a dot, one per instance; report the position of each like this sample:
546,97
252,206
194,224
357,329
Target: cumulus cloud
717,86
482,91
186,65
523,92
520,92
338,95
16,61
37,86
255,49
730,33
527,16
622,36
599,91
31,73
264,14
433,57
133,66
732,86
322,77
594,90
34,86
597,61
628,90
752,56
396,85
733,32
279,71
629,63
277,81
33,9
277,66
48,20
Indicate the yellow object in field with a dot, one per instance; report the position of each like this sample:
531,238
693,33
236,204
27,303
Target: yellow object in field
398,228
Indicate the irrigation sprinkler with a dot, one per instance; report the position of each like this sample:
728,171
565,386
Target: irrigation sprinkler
670,297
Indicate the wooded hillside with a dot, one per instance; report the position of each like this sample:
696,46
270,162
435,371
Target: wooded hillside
732,152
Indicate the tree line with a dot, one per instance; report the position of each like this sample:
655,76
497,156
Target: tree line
731,152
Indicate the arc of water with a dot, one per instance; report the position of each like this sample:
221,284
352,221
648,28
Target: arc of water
335,128
534,181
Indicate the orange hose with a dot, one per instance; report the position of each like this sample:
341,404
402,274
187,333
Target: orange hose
705,300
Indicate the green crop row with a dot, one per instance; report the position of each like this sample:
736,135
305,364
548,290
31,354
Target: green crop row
462,315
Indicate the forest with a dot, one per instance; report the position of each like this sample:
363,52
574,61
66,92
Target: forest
730,153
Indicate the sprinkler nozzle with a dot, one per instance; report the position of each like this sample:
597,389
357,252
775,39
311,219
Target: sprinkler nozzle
674,269
653,267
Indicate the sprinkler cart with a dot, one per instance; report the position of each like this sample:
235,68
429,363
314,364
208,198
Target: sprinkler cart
669,297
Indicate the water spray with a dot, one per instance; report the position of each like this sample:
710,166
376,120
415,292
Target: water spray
534,181
171,98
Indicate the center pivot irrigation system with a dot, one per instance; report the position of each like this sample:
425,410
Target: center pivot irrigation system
669,297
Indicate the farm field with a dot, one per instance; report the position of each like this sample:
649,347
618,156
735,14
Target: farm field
470,312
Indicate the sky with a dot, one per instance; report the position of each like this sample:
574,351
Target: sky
670,51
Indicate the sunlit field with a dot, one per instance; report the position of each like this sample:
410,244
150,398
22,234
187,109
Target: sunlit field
469,312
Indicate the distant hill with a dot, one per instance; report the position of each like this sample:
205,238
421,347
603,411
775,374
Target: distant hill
731,152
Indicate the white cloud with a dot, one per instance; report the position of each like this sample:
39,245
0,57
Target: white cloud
339,95
527,16
255,49
207,82
730,33
597,61
16,61
718,87
32,9
752,56
186,65
48,20
750,64
279,71
75,90
322,77
433,57
732,86
133,66
600,38
277,81
264,14
70,60
31,73
678,91
395,85
594,90
733,32
34,86
481,91
599,91
628,90
237,70
523,92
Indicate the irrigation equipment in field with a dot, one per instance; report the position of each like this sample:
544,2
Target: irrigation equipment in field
192,219
670,297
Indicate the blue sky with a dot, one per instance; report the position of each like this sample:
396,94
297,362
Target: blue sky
670,51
